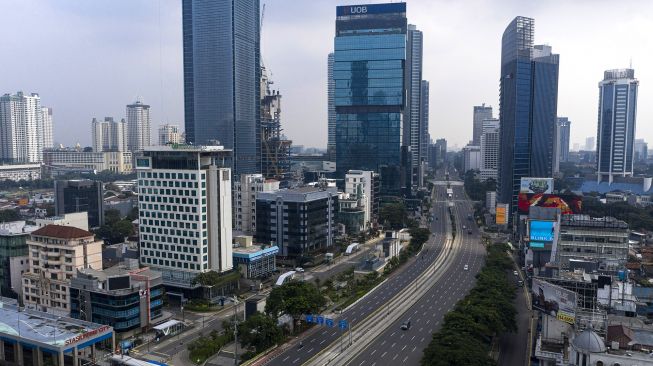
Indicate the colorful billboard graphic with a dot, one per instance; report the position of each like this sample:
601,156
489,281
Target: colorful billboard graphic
501,214
567,203
536,185
554,300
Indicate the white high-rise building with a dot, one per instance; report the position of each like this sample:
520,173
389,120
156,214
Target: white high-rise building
185,211
48,137
138,126
360,184
331,110
490,149
109,135
616,126
21,128
481,113
245,192
170,134
472,158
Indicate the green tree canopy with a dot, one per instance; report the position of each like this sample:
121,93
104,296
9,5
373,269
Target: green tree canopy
393,215
294,298
259,331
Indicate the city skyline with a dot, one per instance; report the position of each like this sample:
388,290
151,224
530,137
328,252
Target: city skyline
151,34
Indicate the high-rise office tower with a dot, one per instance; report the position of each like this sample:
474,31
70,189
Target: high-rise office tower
590,143
80,196
413,129
275,147
138,126
616,127
185,212
425,137
222,78
170,134
490,149
481,113
641,150
528,109
48,139
21,128
563,133
109,135
331,110
369,71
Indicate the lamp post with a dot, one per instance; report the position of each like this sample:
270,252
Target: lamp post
235,331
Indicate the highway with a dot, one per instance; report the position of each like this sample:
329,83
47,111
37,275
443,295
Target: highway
318,338
396,346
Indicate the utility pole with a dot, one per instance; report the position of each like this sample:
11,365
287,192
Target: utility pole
235,331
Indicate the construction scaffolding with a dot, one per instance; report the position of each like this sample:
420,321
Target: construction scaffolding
275,147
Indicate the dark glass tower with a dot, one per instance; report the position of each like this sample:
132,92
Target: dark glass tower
528,109
368,72
222,77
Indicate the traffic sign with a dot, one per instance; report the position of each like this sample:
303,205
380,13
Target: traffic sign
320,319
309,318
329,322
342,324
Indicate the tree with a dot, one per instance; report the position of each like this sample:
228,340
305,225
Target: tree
259,331
9,215
393,215
294,298
111,216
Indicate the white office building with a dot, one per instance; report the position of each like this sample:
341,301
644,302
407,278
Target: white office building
48,137
490,149
18,172
21,128
109,135
360,185
245,191
170,134
60,161
138,126
184,195
472,157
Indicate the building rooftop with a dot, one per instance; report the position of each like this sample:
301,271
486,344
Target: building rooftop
186,148
593,222
16,228
120,269
45,328
62,232
254,251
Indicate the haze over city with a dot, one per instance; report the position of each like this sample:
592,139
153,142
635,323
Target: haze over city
90,59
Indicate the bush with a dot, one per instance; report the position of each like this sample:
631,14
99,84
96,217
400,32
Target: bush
204,347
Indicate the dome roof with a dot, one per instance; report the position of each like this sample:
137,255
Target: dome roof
588,341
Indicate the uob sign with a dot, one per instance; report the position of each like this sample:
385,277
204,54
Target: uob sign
357,9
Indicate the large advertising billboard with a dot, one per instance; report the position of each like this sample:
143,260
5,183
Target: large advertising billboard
567,203
501,214
542,230
536,185
554,300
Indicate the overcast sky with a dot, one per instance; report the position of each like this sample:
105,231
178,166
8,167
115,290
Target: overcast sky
90,58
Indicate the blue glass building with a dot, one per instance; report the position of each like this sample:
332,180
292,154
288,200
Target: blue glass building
222,78
528,109
616,126
368,72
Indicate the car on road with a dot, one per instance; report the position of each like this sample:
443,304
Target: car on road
405,325
466,268
520,283
469,231
299,269
515,273
464,227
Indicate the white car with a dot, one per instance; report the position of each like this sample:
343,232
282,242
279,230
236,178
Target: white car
466,267
515,273
299,269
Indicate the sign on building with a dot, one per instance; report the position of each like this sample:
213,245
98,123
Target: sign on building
536,185
554,300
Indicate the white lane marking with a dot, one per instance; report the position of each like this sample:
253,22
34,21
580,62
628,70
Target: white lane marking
373,352
414,348
297,359
393,345
284,360
404,361
404,347
395,357
384,353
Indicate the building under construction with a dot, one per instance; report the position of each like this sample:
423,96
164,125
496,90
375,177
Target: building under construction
275,148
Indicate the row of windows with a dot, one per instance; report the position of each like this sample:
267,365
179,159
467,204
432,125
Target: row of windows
168,263
174,208
171,216
186,176
170,255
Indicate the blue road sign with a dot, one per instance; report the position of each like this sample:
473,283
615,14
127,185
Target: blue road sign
329,322
309,318
342,324
320,319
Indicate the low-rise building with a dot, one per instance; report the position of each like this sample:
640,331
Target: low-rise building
75,219
125,297
61,161
254,261
299,221
55,253
30,337
13,244
18,172
245,191
603,240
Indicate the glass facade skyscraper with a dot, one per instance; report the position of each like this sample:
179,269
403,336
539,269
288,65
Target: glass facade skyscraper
528,109
222,78
616,127
368,72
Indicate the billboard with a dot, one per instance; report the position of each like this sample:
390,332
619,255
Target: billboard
567,203
501,214
536,185
554,300
542,230
370,9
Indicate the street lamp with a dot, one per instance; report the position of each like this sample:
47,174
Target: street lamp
235,331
